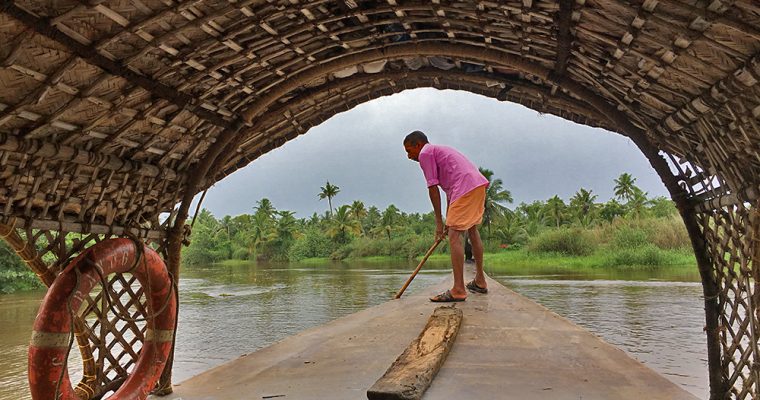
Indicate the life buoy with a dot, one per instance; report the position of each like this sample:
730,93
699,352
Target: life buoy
48,374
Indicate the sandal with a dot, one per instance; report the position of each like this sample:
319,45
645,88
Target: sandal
445,297
473,287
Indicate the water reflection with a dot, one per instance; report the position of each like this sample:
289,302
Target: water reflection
17,312
227,311
232,310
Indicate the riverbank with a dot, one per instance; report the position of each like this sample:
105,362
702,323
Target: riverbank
504,262
631,259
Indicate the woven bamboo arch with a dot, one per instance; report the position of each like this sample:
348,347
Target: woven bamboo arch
113,112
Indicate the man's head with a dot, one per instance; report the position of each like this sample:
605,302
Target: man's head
413,144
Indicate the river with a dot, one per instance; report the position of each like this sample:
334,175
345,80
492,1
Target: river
227,311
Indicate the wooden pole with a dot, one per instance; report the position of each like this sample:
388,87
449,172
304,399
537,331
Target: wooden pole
429,252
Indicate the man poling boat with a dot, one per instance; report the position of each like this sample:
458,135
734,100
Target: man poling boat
465,189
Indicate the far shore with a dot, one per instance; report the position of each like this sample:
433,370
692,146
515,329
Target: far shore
504,261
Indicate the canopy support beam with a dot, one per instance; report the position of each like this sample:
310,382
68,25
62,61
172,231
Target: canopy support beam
92,56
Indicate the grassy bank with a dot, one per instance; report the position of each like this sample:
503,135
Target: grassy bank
598,260
638,259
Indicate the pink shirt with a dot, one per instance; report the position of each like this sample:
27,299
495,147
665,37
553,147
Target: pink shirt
450,169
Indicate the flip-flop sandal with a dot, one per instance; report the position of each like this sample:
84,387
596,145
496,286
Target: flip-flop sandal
473,287
445,297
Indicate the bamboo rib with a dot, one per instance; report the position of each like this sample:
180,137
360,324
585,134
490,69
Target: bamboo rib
111,115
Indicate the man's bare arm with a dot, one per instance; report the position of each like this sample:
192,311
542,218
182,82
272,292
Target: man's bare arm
435,199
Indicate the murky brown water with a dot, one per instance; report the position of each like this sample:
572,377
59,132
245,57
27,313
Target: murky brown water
229,311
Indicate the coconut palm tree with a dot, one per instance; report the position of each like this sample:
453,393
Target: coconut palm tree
226,226
388,220
611,210
637,205
534,216
625,187
495,196
313,220
343,223
329,191
583,205
511,230
259,232
282,234
372,220
359,212
265,208
555,209
286,225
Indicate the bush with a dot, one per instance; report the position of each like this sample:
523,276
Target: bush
365,247
567,241
418,245
670,233
14,274
313,243
342,252
408,246
649,255
241,253
628,237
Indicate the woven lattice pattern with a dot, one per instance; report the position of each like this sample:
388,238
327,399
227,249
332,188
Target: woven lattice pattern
110,333
113,112
728,232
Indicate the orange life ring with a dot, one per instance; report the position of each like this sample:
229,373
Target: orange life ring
53,324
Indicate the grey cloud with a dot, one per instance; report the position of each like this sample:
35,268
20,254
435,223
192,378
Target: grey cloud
537,156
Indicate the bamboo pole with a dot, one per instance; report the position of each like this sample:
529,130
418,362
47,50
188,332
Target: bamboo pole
429,252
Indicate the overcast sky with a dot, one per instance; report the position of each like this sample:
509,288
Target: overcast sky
361,151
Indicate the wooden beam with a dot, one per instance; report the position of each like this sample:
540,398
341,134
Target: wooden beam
78,227
222,164
564,38
51,151
91,55
413,371
748,195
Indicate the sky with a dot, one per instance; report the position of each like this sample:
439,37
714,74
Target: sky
361,151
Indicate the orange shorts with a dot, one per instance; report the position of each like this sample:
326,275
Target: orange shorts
467,211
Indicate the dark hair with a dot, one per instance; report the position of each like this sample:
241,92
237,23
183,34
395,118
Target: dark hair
415,137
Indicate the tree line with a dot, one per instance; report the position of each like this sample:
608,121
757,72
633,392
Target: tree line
635,226
355,230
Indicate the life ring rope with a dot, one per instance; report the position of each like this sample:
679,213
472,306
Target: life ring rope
51,344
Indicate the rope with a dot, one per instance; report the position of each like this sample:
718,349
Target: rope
198,207
10,230
712,297
170,359
71,334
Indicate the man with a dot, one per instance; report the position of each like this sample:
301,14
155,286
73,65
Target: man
465,189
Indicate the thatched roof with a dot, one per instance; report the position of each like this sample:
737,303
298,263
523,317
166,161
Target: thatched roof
111,109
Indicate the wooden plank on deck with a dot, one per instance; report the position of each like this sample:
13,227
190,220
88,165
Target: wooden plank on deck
413,371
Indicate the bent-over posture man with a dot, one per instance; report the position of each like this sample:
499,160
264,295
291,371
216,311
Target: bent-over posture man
465,189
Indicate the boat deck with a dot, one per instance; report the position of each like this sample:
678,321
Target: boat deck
508,348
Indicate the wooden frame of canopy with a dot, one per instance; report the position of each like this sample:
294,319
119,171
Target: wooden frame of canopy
114,114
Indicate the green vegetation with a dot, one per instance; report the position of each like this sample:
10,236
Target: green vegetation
631,230
14,274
